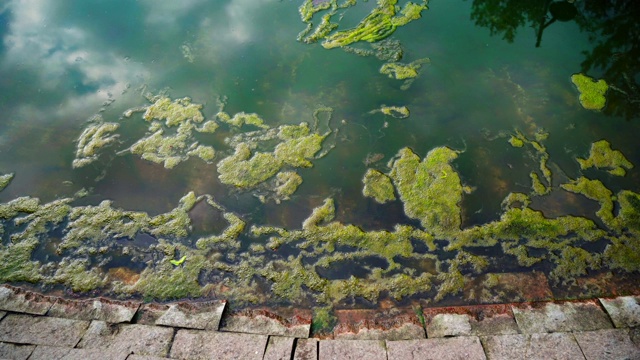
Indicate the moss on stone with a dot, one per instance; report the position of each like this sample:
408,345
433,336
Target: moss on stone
591,92
603,157
323,320
16,263
378,186
79,275
430,189
573,262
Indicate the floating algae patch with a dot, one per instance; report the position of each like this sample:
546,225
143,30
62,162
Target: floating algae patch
241,118
537,186
5,180
594,190
430,189
246,170
170,135
398,112
602,156
287,183
378,186
408,72
92,139
591,91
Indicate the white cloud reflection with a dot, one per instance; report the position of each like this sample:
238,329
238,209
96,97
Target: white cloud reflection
64,61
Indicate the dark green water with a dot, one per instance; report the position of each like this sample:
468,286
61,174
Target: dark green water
63,62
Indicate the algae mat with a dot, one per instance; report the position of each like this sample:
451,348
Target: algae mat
320,153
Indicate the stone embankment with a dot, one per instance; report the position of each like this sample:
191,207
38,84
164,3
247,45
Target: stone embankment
35,326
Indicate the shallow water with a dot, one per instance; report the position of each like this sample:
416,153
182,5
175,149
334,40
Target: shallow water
62,62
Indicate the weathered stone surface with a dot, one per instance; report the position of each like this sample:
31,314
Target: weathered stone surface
624,310
15,351
131,338
394,324
508,287
352,349
607,344
561,317
458,348
495,319
306,349
112,311
149,313
197,344
443,325
2,314
532,347
144,357
27,329
267,322
279,348
19,300
496,324
193,315
634,334
59,353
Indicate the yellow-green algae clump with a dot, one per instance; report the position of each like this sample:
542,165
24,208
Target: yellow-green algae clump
5,180
591,92
378,186
430,189
602,156
93,138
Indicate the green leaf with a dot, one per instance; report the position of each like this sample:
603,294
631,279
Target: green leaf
178,262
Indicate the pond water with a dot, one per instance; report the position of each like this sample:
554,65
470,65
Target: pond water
313,152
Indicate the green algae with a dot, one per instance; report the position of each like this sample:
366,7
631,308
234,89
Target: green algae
519,140
602,156
591,91
537,186
175,112
516,142
79,275
379,24
398,112
5,180
287,183
244,170
241,119
408,72
378,186
297,150
452,280
573,262
623,253
594,190
323,320
430,189
93,138
16,264
629,213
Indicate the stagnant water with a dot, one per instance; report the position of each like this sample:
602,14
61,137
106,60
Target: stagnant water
107,189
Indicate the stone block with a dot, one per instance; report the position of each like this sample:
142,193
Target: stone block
267,322
112,311
144,357
22,301
198,344
279,348
607,344
454,348
392,324
193,315
352,349
306,349
532,347
624,310
130,338
27,329
63,353
443,325
15,351
2,314
149,313
561,317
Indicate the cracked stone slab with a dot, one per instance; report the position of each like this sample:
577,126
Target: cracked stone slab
532,347
112,311
267,322
352,349
478,320
306,349
198,344
27,329
193,315
561,317
624,310
62,353
443,325
19,300
607,344
130,338
454,348
393,324
15,351
279,348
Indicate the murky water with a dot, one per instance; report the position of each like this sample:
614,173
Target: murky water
494,70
